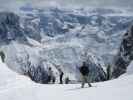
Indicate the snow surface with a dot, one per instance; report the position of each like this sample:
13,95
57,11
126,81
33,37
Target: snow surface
129,70
17,87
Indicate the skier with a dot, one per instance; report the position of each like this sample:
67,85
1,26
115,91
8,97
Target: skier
61,76
84,70
67,80
109,72
51,77
2,56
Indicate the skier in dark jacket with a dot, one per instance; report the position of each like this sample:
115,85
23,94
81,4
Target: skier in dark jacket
84,70
2,56
61,76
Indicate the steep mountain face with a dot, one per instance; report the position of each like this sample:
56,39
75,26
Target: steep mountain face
101,27
125,54
9,27
51,37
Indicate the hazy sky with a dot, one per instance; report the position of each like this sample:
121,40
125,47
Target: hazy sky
12,4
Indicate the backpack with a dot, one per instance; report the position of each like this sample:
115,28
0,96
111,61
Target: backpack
84,70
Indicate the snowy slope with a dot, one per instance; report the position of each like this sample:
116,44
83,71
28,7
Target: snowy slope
9,79
20,88
129,70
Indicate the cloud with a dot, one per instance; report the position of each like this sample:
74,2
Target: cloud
15,4
99,3
10,5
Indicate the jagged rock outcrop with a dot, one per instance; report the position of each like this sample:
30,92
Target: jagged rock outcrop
10,27
97,69
125,54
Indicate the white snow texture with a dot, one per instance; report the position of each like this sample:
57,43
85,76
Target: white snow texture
16,87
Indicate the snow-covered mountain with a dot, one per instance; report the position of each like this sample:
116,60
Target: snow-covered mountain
102,27
9,27
36,39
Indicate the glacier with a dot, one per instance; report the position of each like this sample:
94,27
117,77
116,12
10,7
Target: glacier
36,39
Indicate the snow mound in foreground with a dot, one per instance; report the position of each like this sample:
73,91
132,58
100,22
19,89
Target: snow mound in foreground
8,78
17,87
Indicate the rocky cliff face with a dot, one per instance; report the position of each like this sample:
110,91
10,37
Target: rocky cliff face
125,54
9,27
103,28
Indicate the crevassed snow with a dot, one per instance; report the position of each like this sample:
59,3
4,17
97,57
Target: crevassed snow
16,87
